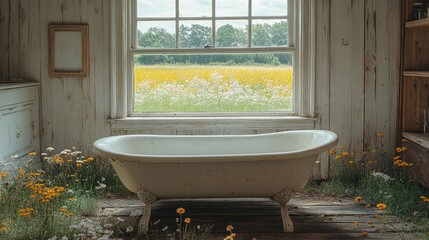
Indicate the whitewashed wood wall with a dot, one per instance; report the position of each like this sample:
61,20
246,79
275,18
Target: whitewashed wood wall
357,75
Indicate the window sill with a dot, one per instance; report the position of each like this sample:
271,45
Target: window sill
256,123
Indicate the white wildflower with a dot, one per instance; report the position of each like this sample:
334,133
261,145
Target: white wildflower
129,229
100,185
50,149
103,179
198,227
381,175
44,154
15,156
75,153
70,191
164,228
120,219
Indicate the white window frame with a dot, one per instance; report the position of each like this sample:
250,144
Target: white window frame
301,42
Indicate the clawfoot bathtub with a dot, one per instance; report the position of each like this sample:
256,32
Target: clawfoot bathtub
223,166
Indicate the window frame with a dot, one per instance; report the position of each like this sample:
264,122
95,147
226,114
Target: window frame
301,45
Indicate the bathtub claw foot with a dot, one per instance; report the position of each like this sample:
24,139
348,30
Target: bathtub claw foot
283,198
147,198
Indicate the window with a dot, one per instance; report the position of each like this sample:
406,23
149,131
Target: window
194,58
219,56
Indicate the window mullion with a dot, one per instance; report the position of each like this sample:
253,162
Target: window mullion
249,27
213,23
177,23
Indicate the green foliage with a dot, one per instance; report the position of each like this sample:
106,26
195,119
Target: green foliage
42,203
376,178
198,36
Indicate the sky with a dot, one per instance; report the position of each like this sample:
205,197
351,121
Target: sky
202,8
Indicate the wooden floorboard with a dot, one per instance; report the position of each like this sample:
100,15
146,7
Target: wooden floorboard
313,218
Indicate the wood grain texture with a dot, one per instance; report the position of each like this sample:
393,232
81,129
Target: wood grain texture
357,72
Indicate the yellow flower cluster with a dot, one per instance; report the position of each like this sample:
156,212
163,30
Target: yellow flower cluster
25,212
3,174
358,199
232,235
381,206
46,194
424,199
67,212
3,227
180,211
401,163
156,75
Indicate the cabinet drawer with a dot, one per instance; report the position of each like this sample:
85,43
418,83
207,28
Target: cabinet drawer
16,96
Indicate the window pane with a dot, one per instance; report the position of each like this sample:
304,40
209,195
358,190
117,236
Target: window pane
156,34
156,8
213,83
195,8
269,33
195,34
231,33
269,7
228,8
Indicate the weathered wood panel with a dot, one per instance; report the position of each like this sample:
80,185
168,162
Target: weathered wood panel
357,71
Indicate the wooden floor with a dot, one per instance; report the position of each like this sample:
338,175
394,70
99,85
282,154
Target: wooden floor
313,218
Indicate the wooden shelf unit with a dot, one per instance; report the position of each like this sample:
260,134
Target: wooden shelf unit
415,74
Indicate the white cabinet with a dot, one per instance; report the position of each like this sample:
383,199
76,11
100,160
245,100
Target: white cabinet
19,123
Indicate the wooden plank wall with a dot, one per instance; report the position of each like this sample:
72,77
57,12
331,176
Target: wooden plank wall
357,69
74,110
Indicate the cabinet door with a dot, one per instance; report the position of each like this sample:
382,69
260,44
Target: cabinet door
18,124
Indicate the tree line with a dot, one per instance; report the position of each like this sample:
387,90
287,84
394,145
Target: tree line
198,36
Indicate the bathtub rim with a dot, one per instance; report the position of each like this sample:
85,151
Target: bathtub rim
158,159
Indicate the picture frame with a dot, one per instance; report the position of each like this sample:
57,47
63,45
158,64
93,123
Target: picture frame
68,50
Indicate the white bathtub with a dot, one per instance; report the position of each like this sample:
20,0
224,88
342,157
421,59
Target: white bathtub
215,166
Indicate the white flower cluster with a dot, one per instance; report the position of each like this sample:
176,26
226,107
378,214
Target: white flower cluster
381,175
90,229
215,94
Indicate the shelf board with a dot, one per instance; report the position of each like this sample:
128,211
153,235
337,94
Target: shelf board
416,73
419,138
418,23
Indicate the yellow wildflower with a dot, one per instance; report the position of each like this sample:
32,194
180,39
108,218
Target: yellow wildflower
332,152
63,210
72,199
358,198
367,206
341,147
357,224
345,153
32,154
398,149
187,220
229,228
71,214
380,134
381,206
364,234
337,157
3,174
90,159
351,162
3,227
78,165
180,210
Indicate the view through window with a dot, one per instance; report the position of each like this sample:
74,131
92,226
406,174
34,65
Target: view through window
182,65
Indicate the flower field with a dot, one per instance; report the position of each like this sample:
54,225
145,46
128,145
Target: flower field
164,88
